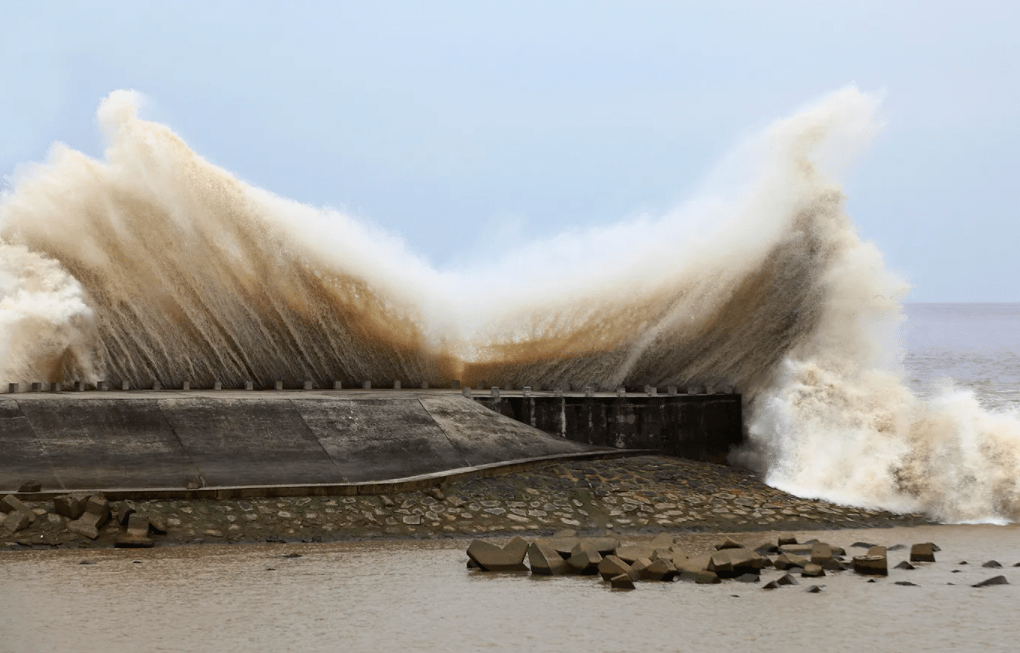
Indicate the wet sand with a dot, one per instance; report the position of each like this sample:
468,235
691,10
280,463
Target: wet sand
418,596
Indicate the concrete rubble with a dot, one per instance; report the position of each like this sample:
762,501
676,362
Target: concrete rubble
727,561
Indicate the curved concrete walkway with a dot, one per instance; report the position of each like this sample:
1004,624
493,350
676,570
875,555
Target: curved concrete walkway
234,443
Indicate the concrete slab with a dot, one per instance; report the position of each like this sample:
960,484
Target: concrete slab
95,444
483,436
23,456
375,439
249,441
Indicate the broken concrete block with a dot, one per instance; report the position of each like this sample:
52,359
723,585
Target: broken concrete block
16,520
788,560
820,553
811,570
706,578
869,565
604,545
662,541
70,506
787,579
97,512
622,582
612,566
659,570
10,503
137,535
544,560
728,544
905,565
491,557
924,552
877,551
696,563
584,559
748,578
31,486
771,585
124,510
787,539
992,564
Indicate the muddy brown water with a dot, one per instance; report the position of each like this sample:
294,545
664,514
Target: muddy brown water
418,596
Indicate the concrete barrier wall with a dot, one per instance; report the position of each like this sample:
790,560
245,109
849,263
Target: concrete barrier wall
95,442
700,427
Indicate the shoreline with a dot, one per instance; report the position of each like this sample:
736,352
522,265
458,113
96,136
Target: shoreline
634,496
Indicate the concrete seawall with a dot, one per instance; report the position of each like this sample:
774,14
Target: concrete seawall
171,440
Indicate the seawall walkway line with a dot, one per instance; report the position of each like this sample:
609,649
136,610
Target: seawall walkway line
392,486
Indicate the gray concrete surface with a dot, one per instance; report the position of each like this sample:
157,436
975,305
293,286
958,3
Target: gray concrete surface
162,439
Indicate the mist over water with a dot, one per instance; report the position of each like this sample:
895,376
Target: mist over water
154,264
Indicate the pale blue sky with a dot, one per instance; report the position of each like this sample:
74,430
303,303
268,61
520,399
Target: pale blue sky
468,126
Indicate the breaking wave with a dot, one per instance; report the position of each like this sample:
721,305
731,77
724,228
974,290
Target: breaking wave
153,264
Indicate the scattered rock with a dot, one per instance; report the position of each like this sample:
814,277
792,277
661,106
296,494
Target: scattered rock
788,560
906,583
814,589
659,570
771,585
490,557
767,549
706,578
992,564
97,512
812,571
612,566
924,552
17,521
124,510
787,539
545,560
11,503
291,556
748,578
31,486
584,559
869,565
157,525
137,535
905,565
897,547
69,505
728,544
622,582
861,545
996,580
787,579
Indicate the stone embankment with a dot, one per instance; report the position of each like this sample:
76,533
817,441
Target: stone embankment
647,494
663,559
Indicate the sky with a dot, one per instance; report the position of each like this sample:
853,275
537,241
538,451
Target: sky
470,127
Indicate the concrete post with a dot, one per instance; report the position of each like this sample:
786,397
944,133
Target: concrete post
12,388
37,387
480,386
55,386
155,384
424,385
709,390
308,385
527,391
186,385
621,391
671,390
495,392
651,390
558,392
367,385
589,391
692,389
79,386
279,385
248,385
396,385
124,385
103,385
466,392
337,385
456,384
217,385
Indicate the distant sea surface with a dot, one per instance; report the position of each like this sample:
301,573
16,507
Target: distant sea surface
975,345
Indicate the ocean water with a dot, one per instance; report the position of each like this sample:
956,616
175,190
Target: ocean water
975,347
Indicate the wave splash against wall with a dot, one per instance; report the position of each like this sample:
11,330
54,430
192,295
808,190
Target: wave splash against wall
154,264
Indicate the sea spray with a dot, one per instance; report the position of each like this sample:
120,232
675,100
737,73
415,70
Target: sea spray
153,264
